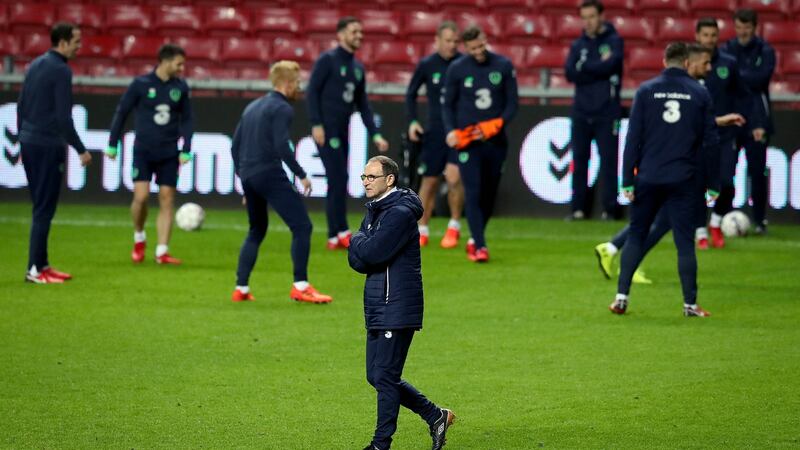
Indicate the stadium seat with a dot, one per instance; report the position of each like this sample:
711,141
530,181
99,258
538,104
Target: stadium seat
176,21
124,20
490,24
33,45
511,6
204,49
726,30
768,9
527,29
395,55
516,53
9,45
675,29
529,79
264,3
645,62
274,23
790,65
140,50
547,57
300,50
421,26
559,81
719,9
3,17
202,72
557,7
618,7
782,35
455,6
100,50
245,52
28,17
661,8
319,23
784,88
254,73
635,30
400,77
88,17
227,21
568,28
411,5
380,25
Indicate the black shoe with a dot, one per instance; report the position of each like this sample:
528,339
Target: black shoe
439,428
371,447
575,215
761,229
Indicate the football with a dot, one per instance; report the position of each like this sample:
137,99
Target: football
735,223
190,216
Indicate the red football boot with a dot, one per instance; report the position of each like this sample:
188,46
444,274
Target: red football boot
332,245
167,259
309,295
717,238
44,277
482,255
450,238
695,311
137,255
471,249
344,242
238,296
423,240
702,244
57,273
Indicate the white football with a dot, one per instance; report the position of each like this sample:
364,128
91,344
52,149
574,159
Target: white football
735,223
190,216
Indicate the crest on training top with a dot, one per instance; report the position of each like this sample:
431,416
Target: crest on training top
175,94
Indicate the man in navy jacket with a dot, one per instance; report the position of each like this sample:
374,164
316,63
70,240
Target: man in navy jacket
671,129
594,64
338,87
45,127
755,59
386,249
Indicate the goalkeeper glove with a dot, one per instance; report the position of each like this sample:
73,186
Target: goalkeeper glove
185,157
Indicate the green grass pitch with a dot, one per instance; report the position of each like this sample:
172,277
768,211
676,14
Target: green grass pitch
523,349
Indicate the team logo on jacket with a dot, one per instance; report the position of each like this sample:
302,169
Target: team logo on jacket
335,143
722,72
175,94
436,78
604,49
463,157
495,78
359,74
151,93
388,334
343,70
468,82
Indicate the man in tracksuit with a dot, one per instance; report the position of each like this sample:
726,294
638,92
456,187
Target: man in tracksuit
671,129
755,59
594,64
480,99
163,116
386,249
261,143
337,88
45,127
436,157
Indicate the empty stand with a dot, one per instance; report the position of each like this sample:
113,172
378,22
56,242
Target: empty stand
662,8
245,52
635,30
87,16
123,20
28,17
768,9
719,9
227,21
272,23
568,28
527,29
421,26
176,21
782,35
300,50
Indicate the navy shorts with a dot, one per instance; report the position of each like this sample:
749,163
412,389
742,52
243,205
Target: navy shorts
435,154
165,169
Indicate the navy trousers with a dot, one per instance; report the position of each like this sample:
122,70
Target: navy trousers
334,155
756,153
272,187
386,356
657,231
44,168
729,156
679,200
481,166
603,131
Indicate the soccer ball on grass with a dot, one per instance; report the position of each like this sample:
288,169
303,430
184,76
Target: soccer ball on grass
190,216
735,223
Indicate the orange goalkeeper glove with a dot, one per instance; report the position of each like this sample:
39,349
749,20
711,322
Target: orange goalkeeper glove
490,128
465,136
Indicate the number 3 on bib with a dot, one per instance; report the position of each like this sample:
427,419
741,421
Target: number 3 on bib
348,94
673,111
483,98
162,114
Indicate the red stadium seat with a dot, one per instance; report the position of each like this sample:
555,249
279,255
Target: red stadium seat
3,17
726,30
618,7
411,5
205,49
227,21
28,17
527,29
790,65
547,56
784,87
254,73
768,10
245,52
88,17
264,3
795,9
558,7
782,35
123,20
510,6
395,56
275,23
9,45
516,53
662,8
559,81
672,29
364,54
421,26
719,9
320,23
635,31
140,50
380,25
300,50
530,79
400,77
490,24
568,28
100,50
645,62
201,72
176,21
33,45
450,6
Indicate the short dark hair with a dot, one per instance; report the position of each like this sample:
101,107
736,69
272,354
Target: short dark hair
170,51
62,31
695,48
706,22
746,15
345,21
596,4
388,166
447,25
471,33
676,53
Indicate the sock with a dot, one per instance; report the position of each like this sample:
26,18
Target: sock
611,248
716,220
454,224
621,297
301,285
701,233
333,240
161,249
471,241
423,230
343,234
139,236
33,271
243,289
692,306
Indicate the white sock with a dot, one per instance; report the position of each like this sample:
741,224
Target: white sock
621,297
471,241
161,249
343,234
454,224
611,248
333,240
301,285
686,305
243,289
716,220
139,236
33,271
423,230
701,233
